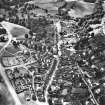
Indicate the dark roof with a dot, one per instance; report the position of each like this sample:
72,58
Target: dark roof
1,19
90,1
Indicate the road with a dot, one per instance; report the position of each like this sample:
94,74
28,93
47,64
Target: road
50,76
9,86
84,80
9,37
2,70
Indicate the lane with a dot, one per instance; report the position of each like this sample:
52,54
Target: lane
58,39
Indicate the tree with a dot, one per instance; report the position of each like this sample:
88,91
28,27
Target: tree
5,4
